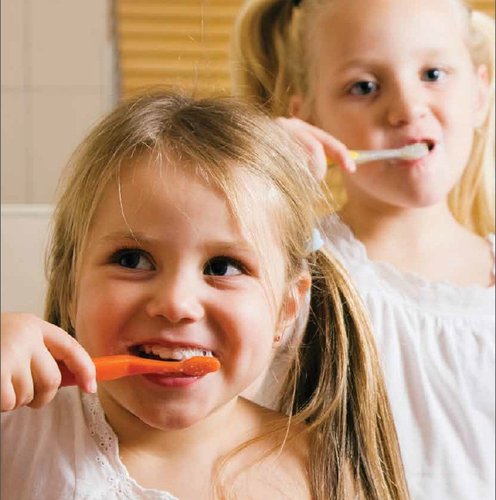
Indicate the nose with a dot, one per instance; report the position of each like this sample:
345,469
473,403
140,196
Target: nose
176,299
405,105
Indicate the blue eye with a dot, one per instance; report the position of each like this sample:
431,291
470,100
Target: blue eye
433,74
132,259
223,266
364,87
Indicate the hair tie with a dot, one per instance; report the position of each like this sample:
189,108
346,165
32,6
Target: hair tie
316,242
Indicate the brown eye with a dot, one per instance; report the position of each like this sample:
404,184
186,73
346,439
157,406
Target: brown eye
132,259
364,87
223,266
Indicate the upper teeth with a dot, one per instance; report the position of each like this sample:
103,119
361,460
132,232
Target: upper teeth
178,353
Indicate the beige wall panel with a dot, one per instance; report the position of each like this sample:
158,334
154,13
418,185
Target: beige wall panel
61,118
70,51
14,150
12,43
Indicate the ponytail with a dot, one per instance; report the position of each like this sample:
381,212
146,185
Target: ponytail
336,386
472,199
263,51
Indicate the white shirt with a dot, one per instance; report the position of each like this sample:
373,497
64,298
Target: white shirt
65,451
436,343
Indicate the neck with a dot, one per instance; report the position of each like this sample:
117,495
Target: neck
416,230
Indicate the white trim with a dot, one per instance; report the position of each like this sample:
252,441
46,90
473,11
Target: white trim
9,209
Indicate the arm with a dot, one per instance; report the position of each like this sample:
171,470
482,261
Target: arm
30,350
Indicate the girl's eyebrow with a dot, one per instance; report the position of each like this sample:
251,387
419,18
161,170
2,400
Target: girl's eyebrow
239,245
125,235
219,245
362,62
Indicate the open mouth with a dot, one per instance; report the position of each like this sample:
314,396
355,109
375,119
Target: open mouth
164,353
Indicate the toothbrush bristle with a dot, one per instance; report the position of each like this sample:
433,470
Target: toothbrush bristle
415,151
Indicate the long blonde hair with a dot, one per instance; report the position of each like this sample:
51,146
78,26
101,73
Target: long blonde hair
334,384
270,62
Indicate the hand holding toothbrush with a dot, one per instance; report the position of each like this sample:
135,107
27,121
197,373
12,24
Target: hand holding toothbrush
325,150
30,350
319,145
38,358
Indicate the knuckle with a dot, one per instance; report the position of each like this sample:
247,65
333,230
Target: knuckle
315,149
48,384
25,400
8,402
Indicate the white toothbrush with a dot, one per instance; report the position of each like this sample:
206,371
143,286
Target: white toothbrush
410,152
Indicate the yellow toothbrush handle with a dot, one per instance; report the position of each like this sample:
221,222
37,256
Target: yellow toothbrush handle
354,155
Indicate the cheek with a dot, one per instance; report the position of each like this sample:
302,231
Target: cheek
460,128
249,327
100,314
354,129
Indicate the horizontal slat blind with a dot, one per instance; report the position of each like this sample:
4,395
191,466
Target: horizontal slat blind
175,42
182,42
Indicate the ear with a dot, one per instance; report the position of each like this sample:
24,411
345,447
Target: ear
295,298
298,107
482,94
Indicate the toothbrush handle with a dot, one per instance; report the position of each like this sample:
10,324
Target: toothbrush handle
375,155
107,368
361,157
123,365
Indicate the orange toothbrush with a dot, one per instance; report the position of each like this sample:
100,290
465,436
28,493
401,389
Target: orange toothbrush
123,365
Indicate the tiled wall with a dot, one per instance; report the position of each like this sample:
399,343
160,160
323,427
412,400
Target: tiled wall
56,81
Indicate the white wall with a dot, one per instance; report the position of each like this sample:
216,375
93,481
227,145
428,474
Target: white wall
24,232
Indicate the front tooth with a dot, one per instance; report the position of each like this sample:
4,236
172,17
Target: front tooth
176,353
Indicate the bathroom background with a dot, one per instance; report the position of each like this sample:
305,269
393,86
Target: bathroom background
64,63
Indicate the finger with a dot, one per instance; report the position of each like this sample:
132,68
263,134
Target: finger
335,149
22,383
318,161
67,349
46,379
8,395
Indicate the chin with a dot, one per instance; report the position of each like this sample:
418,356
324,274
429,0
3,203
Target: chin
172,421
425,200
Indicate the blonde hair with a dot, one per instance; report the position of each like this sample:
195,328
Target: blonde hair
270,63
335,384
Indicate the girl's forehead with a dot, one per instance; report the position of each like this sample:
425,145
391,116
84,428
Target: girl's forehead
375,18
386,30
174,185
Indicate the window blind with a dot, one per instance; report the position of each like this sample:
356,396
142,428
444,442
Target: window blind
175,42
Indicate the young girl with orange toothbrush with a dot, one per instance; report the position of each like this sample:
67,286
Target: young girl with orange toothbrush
185,229
416,236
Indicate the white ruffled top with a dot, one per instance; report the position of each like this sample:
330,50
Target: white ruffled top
436,342
66,450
